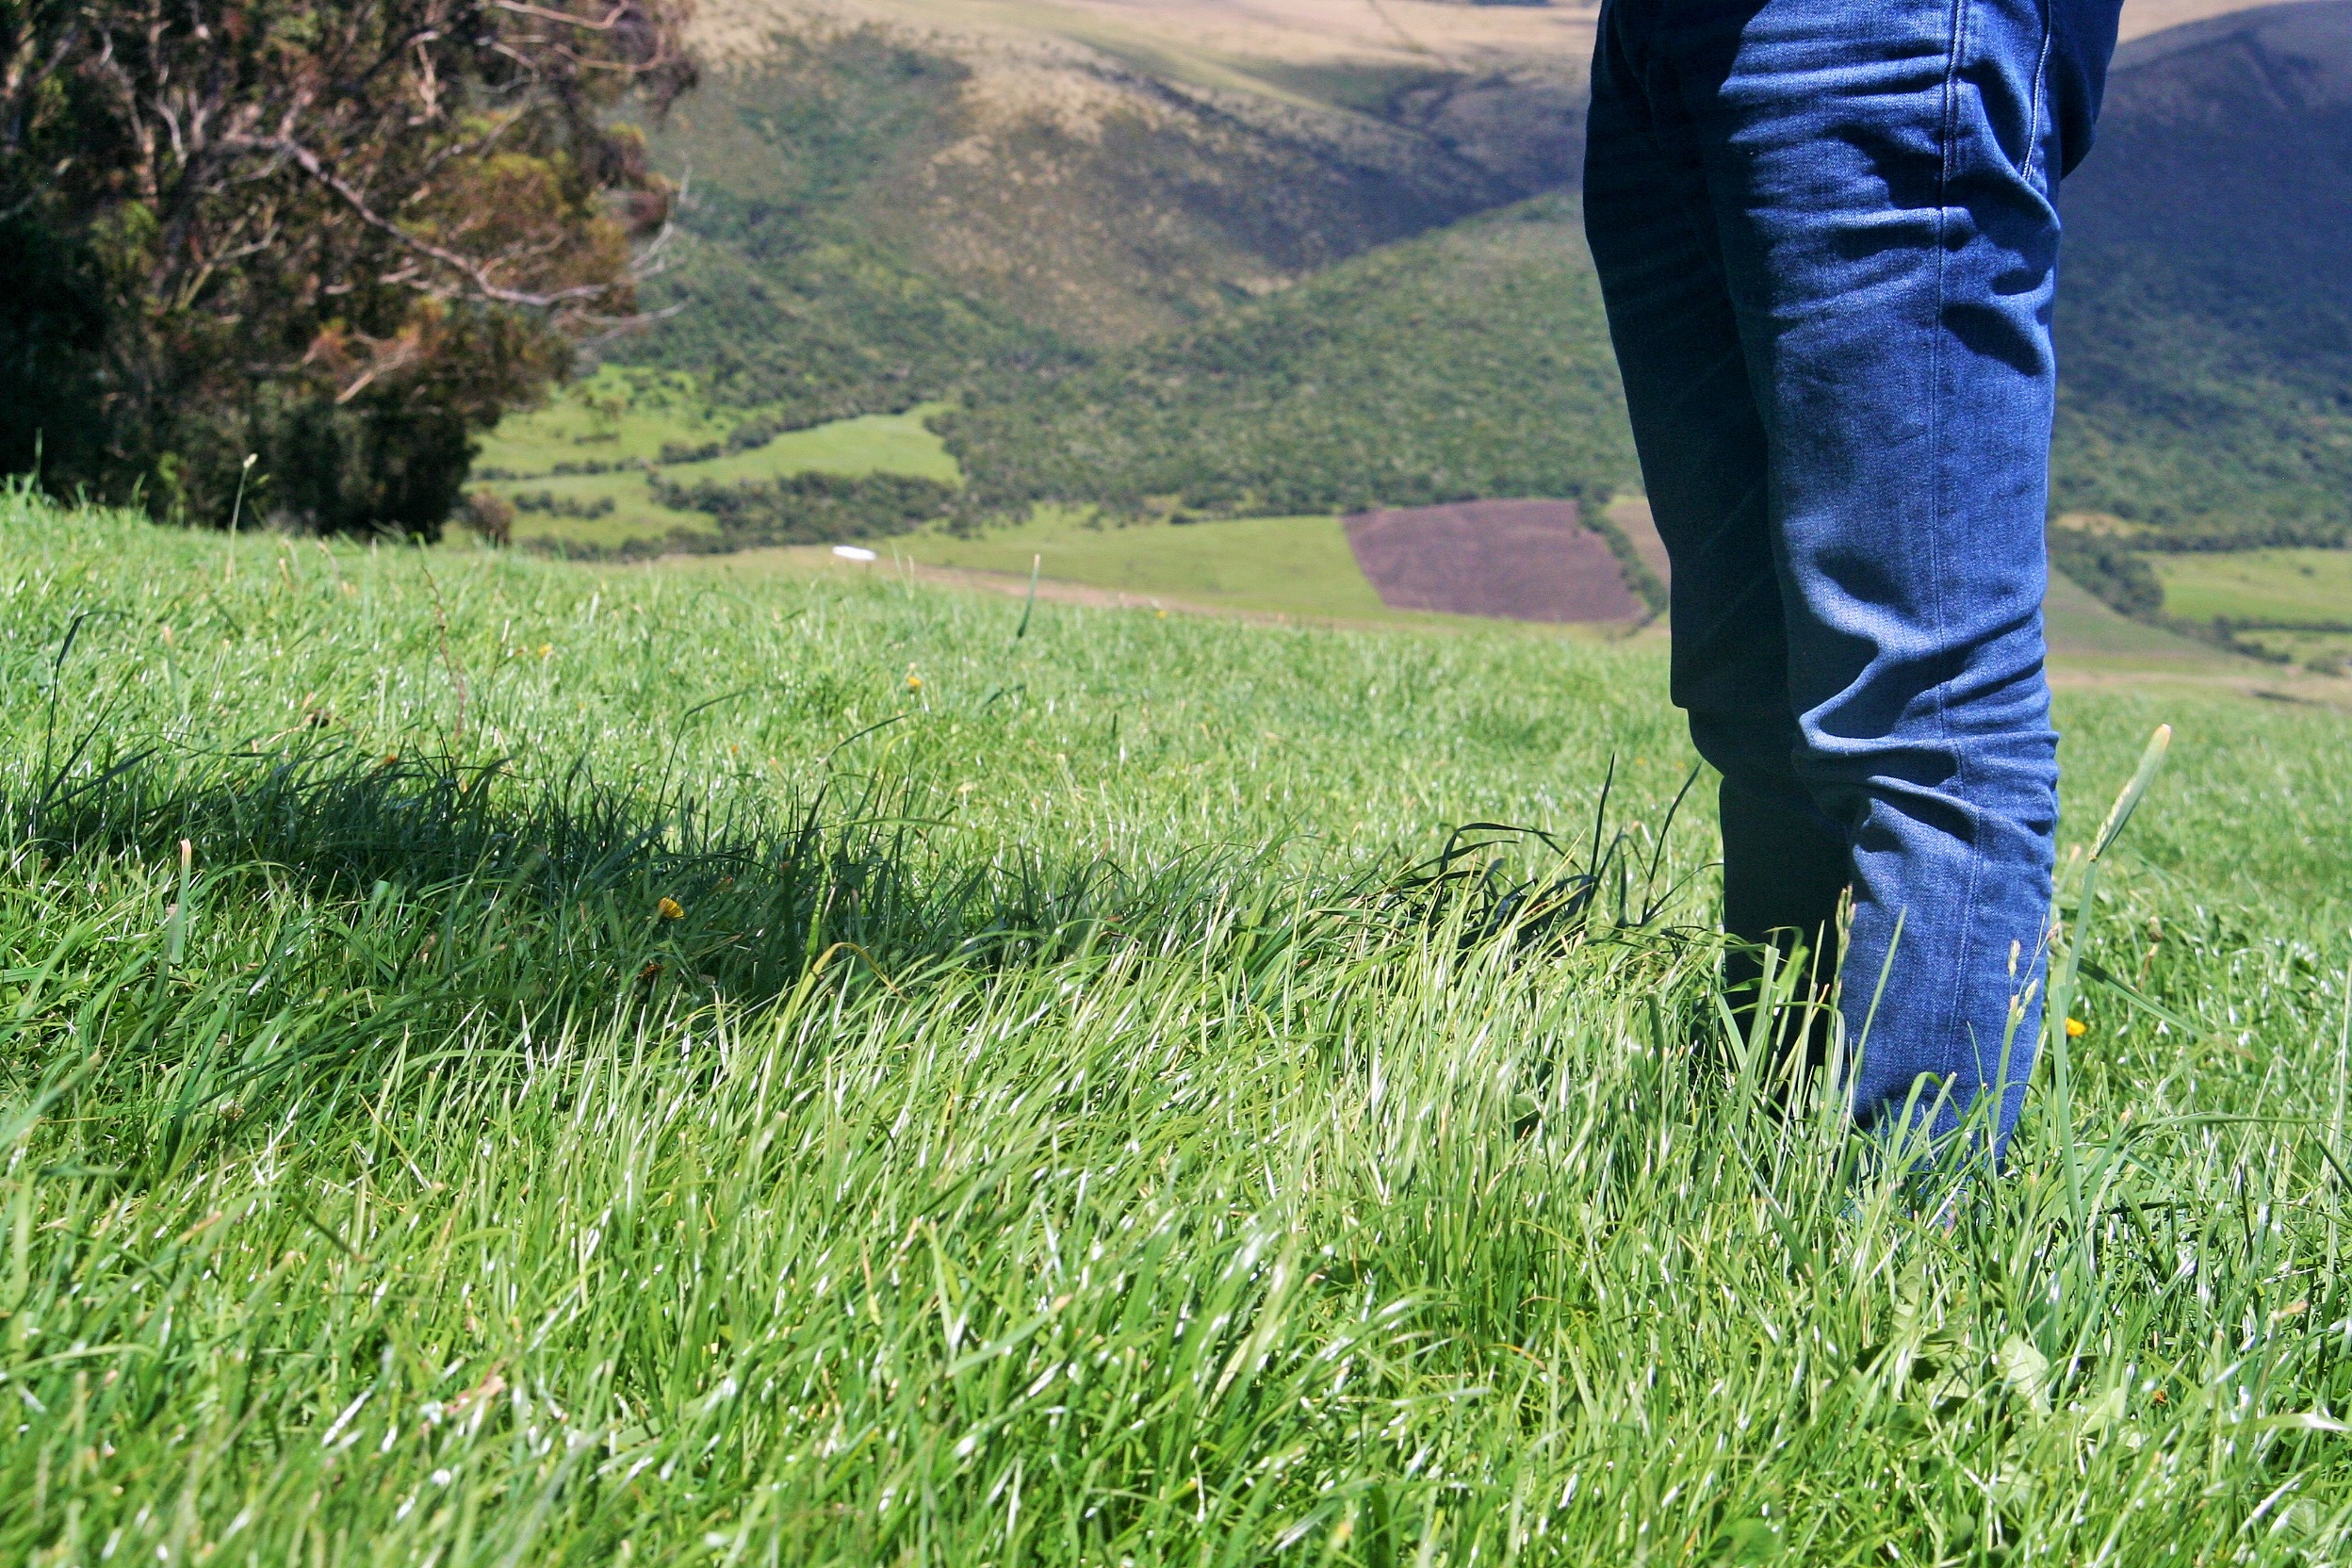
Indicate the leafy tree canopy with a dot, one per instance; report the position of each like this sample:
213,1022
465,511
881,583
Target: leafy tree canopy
342,235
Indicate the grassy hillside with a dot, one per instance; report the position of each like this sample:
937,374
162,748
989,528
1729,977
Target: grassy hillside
1169,256
2259,585
2294,604
889,205
1297,566
2205,333
1097,177
882,206
633,419
1473,362
510,1062
789,289
1157,268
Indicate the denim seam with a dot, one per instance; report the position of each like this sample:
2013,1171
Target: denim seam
2034,119
1953,1009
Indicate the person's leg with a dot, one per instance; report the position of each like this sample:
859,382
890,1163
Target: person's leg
1879,180
1705,462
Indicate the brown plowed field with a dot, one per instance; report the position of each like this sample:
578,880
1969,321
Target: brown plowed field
1521,560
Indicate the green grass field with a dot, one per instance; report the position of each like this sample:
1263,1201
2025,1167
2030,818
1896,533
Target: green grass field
2257,585
2085,632
510,1062
1298,566
2298,602
1302,567
627,416
1295,565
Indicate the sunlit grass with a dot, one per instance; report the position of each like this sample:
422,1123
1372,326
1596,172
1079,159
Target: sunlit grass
2296,602
2257,585
1297,565
507,1062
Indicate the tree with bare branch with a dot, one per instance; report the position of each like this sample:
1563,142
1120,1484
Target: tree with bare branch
345,235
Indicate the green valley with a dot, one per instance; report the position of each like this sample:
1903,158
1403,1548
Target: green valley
2294,604
1282,566
634,461
1027,229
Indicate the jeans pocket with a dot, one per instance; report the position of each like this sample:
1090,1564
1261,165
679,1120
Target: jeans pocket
2002,56
2041,125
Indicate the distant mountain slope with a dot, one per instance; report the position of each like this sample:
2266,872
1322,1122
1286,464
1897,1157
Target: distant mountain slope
1184,249
788,287
2141,18
2205,326
1469,363
885,195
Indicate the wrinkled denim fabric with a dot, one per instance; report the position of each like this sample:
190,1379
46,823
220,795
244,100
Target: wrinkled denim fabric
1827,240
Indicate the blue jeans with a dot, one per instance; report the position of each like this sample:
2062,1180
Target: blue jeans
1826,238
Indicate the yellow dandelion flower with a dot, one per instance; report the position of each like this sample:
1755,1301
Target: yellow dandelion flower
546,650
2075,1028
670,908
914,684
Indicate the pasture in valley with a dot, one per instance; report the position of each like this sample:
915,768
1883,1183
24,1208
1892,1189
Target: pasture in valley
1280,565
2296,602
622,419
709,1052
578,470
514,1061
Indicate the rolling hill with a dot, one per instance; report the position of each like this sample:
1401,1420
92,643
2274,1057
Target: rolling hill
1470,362
885,201
1106,172
1229,256
2206,325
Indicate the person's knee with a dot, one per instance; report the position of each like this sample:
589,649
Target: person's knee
1976,743
1950,783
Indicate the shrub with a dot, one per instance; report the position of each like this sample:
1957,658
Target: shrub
489,519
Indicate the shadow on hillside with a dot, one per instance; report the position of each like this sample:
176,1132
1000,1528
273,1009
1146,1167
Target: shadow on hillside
576,890
639,881
303,918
